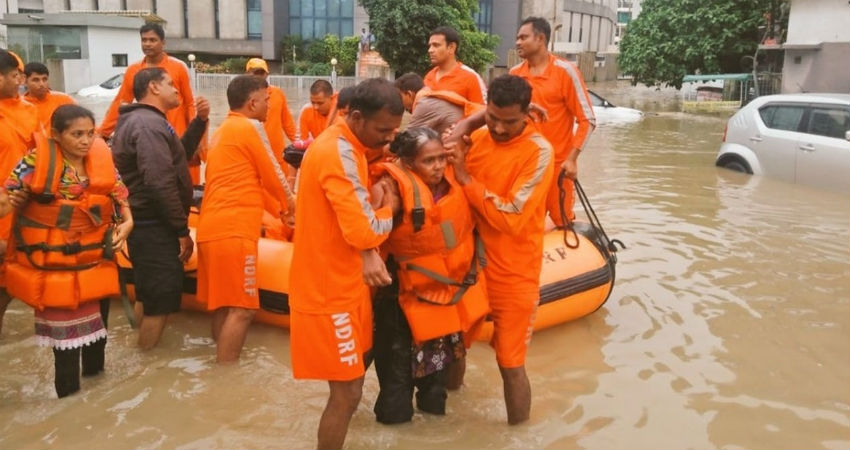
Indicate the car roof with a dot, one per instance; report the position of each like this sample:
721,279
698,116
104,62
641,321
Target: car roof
809,97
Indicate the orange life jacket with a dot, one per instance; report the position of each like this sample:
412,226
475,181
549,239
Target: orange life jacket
450,96
61,250
439,257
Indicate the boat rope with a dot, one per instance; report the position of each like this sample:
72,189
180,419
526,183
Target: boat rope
610,245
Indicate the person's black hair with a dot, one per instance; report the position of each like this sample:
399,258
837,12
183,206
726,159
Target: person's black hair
240,89
343,99
451,35
7,62
539,25
144,78
65,114
375,94
321,87
35,67
409,82
508,90
407,143
155,27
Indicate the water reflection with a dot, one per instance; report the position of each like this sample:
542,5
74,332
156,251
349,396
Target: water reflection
727,327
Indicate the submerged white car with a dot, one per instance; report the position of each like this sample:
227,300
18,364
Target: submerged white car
607,112
108,88
800,138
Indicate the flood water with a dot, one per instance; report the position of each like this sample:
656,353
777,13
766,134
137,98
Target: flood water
727,328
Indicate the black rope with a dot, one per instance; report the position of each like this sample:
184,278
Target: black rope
610,245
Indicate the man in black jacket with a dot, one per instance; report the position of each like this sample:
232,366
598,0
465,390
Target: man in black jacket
152,161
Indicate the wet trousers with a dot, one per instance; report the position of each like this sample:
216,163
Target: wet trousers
67,362
392,350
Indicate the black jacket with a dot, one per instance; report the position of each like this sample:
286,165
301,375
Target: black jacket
152,161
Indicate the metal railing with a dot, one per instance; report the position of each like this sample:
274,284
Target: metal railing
289,83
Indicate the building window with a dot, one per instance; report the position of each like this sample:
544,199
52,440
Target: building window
255,19
119,60
43,43
484,16
313,19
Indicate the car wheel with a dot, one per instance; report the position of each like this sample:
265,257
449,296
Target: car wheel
736,164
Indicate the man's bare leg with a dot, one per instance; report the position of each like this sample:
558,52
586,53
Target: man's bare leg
150,331
456,371
342,402
5,299
517,394
217,322
138,312
231,337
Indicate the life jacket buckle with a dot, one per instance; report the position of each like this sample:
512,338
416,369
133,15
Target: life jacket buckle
72,248
470,279
43,197
417,215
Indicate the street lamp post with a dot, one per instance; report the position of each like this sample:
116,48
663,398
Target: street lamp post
333,72
191,58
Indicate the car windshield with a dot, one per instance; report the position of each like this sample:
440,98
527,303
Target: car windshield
596,100
113,82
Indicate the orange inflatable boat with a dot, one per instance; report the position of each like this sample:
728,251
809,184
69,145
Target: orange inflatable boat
576,279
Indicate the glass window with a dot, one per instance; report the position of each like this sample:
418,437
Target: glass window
119,60
43,43
830,122
484,16
313,19
255,19
782,117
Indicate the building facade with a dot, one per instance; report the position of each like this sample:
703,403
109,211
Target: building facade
817,49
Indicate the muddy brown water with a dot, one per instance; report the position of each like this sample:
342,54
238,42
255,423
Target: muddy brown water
727,328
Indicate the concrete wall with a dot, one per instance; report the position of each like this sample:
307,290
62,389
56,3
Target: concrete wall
817,47
110,5
172,12
275,14
83,5
140,4
201,19
814,21
102,43
233,19
506,19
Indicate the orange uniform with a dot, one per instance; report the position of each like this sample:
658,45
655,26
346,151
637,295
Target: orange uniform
311,123
329,302
47,105
240,166
561,90
19,125
178,117
508,192
462,79
279,121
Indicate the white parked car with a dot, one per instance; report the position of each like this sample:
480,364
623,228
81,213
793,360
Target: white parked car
800,138
108,88
607,112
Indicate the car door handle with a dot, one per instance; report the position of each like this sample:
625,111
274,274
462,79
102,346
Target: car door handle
807,147
756,139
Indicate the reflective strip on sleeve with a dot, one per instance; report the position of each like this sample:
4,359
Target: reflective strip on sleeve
586,108
290,197
524,192
349,167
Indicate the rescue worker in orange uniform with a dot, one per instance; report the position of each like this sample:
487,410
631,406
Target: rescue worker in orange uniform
316,115
448,73
240,166
331,311
558,87
433,250
505,174
61,257
153,44
19,126
279,121
39,93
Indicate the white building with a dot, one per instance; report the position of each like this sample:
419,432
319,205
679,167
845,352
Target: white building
79,49
817,49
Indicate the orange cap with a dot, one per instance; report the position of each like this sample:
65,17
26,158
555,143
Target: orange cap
20,61
256,63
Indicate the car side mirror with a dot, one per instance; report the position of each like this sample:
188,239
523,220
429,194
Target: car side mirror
847,135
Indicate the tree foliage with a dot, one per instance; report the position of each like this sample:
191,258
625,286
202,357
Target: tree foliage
402,28
312,57
672,38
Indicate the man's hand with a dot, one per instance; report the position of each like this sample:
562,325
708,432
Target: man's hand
570,165
19,198
374,270
202,108
288,218
456,151
186,248
537,113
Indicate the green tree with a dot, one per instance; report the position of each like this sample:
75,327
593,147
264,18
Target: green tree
672,38
402,28
313,57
